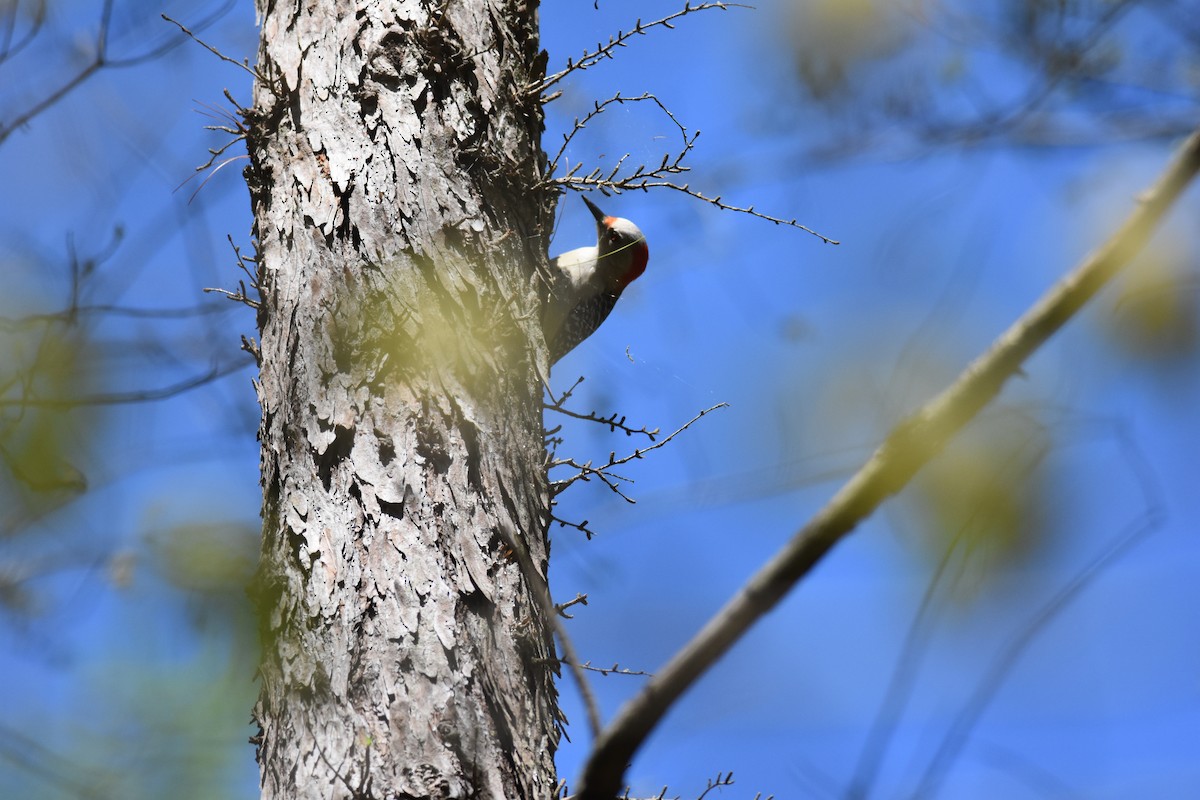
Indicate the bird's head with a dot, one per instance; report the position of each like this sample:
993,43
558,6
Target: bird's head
622,247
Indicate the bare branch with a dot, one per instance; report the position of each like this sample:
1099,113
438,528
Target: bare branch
603,51
49,100
9,48
31,754
615,669
1067,73
242,261
644,178
133,396
67,315
561,608
722,780
611,421
906,667
604,472
99,61
595,721
586,472
582,527
1001,667
558,402
536,582
242,64
598,108
234,126
909,446
727,780
240,295
991,681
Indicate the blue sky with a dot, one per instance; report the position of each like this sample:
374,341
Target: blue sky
816,349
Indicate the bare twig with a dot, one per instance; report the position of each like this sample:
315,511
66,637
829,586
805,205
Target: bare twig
571,659
66,315
611,421
1031,117
991,681
603,51
240,295
726,780
907,448
237,130
920,631
242,64
644,178
604,472
215,169
586,472
9,48
242,261
615,669
101,60
722,780
582,527
578,600
29,753
669,166
123,398
558,402
536,583
956,737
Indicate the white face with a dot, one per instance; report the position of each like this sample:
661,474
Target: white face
621,232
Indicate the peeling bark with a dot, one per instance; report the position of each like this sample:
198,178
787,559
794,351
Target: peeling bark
393,149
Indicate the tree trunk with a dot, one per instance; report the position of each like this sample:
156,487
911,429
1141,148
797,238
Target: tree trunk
393,148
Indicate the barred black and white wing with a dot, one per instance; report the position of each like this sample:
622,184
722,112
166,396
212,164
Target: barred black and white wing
580,322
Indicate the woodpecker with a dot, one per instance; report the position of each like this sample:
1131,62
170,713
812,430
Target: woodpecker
587,281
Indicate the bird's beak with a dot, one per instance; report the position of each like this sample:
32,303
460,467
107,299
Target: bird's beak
597,213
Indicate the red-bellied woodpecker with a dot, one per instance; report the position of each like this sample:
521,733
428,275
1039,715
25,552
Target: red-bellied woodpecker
588,281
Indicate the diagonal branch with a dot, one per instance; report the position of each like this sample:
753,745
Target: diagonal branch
620,178
216,372
36,19
604,471
908,447
669,166
243,64
99,61
1151,519
611,421
646,179
593,57
991,681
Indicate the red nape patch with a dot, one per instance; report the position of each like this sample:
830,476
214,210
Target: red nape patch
637,264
